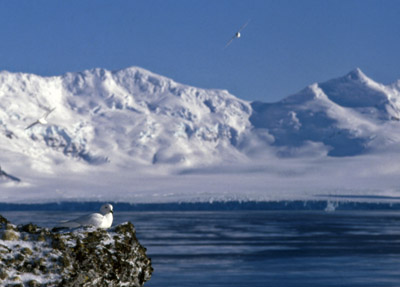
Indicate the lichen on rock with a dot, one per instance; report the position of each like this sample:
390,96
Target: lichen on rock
35,256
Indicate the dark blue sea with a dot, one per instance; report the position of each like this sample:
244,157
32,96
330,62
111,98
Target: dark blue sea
257,246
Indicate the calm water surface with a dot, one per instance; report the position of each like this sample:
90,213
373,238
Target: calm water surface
261,248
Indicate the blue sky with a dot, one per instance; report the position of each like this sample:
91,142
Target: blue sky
286,46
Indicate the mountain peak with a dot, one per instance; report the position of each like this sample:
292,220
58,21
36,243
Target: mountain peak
357,75
355,90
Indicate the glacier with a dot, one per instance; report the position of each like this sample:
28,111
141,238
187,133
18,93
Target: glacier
134,136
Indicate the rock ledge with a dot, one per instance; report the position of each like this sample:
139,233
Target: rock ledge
34,256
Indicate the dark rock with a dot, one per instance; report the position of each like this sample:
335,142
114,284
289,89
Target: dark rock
26,251
3,221
33,283
3,275
81,257
30,228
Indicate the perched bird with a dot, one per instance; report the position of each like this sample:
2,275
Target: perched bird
103,219
237,34
42,120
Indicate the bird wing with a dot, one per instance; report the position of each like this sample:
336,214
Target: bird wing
94,219
229,42
48,113
31,125
68,224
244,26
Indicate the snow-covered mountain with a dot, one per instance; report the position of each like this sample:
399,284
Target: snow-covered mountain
129,115
133,115
115,130
350,115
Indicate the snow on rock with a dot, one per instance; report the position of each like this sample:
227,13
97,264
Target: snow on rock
35,256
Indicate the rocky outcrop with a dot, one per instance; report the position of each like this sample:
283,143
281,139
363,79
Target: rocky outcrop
35,256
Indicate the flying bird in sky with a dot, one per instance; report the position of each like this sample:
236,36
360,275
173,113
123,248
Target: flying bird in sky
42,120
237,34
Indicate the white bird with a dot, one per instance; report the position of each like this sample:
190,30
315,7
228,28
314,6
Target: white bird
42,120
103,219
237,34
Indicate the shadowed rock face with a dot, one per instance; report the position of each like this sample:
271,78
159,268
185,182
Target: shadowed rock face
35,256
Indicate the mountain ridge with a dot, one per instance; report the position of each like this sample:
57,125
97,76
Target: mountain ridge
135,115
